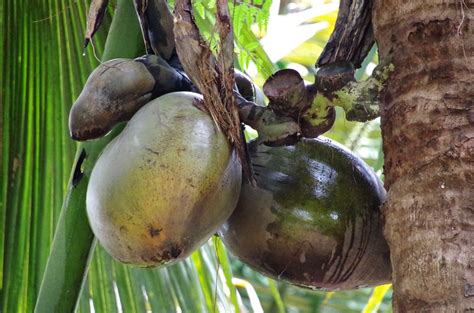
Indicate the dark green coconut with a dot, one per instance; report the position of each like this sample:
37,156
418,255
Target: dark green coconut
313,219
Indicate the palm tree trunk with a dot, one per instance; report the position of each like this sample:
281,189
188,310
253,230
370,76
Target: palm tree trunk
427,125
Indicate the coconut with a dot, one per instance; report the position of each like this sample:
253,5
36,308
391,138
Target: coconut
163,186
313,219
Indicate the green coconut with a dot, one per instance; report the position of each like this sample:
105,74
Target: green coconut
313,219
163,186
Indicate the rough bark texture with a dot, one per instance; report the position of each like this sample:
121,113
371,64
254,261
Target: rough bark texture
352,37
428,131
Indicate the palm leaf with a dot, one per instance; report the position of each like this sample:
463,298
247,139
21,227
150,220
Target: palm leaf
43,71
376,298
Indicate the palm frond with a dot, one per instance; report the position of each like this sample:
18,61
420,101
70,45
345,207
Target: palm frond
43,70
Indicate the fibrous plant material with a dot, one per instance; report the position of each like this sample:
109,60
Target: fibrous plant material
212,75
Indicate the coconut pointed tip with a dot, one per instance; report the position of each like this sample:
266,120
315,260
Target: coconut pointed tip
74,136
83,134
74,133
79,130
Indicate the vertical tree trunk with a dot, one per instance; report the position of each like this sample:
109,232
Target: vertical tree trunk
428,133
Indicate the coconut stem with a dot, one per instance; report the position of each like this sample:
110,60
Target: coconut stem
360,100
272,129
156,23
353,36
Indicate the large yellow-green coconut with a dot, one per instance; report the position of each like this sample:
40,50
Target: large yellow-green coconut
164,185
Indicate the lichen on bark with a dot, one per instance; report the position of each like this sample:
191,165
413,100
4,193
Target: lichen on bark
360,100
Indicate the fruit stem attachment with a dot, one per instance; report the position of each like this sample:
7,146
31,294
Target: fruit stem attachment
272,129
360,100
156,23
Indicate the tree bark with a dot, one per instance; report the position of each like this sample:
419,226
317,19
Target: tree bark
428,132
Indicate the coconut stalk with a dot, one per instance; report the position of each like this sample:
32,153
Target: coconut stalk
74,241
353,35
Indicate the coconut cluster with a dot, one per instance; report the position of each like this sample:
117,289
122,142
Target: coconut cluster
170,180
